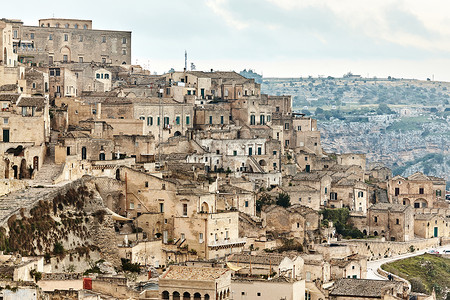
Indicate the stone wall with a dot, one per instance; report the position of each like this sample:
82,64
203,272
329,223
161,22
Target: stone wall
375,249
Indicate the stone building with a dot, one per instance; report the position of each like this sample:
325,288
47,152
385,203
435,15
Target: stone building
71,40
275,288
361,289
417,190
204,283
25,129
395,222
431,225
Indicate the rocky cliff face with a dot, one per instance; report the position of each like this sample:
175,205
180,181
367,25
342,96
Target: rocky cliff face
69,220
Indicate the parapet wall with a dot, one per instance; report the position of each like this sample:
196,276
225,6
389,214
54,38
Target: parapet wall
380,249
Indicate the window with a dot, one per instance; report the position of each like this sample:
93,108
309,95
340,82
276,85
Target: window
158,121
234,153
66,37
210,119
161,207
333,196
142,118
177,120
326,189
124,52
299,128
65,58
80,59
149,121
75,26
131,205
286,126
438,193
84,26
246,203
50,37
32,36
34,85
163,187
5,121
106,76
80,38
242,293
146,184
187,120
68,150
306,158
258,294
124,40
286,143
185,210
375,219
200,237
103,60
103,39
397,191
397,221
421,191
15,34
221,119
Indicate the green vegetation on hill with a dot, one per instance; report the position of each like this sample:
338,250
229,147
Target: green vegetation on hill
426,162
424,272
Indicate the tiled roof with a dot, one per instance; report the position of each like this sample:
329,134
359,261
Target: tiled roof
38,102
8,88
9,97
389,206
362,287
193,273
273,259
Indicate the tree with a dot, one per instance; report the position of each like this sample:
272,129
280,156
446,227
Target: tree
318,111
284,200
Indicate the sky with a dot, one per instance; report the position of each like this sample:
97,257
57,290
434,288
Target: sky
276,38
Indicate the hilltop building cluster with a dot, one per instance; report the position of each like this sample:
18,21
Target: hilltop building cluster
211,189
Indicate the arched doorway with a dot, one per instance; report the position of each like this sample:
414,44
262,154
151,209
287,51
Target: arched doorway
205,207
406,201
118,174
165,295
102,156
177,133
36,163
262,162
197,296
420,203
176,296
15,170
186,296
206,297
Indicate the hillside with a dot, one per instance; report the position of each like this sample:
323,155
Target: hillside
425,273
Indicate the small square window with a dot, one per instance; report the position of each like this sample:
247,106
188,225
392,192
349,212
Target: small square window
258,294
5,120
103,39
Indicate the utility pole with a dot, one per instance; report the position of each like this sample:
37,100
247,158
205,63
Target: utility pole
185,60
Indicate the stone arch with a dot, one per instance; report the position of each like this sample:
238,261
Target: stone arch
420,203
165,295
16,171
101,156
197,296
66,51
206,297
375,233
205,207
124,63
186,296
406,201
262,162
365,232
158,228
177,133
176,296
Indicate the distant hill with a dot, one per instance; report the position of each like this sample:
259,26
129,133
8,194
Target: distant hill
250,74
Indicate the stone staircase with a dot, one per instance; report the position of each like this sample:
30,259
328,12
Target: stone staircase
49,170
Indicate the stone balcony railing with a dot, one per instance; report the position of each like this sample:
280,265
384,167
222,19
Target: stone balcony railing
227,243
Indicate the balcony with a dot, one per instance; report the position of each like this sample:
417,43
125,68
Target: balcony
227,243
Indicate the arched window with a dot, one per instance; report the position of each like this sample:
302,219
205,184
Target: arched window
83,153
84,26
75,26
102,156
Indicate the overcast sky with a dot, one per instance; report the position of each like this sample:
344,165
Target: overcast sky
279,38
